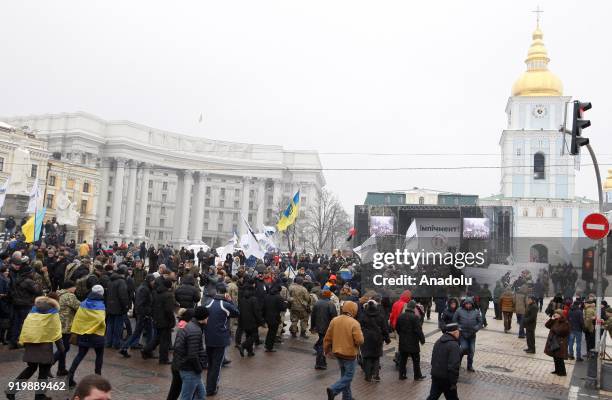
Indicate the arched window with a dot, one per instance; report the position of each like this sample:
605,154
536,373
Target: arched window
539,162
539,212
554,213
421,200
525,212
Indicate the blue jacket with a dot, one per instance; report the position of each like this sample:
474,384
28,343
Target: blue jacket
470,321
216,331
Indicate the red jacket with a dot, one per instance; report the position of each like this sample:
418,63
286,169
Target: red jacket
398,306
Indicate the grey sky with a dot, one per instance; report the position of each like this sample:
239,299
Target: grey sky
335,76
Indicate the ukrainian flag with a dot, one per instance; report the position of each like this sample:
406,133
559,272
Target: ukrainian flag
28,228
41,327
290,214
90,318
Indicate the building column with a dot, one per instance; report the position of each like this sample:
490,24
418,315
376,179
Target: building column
177,206
102,194
143,201
128,227
261,203
244,206
117,198
185,203
198,209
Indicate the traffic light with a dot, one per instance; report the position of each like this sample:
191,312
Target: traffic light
588,264
577,125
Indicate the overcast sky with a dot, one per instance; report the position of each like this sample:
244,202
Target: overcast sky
334,76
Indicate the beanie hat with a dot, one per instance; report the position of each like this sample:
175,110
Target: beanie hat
200,313
411,305
326,292
451,327
98,289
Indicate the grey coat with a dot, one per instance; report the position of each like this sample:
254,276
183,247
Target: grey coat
470,321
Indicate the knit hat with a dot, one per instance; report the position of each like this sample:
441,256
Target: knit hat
98,289
200,313
452,327
411,305
326,292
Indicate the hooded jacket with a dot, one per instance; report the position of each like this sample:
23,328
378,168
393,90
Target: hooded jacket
143,303
470,321
163,308
187,295
446,359
447,315
398,307
323,312
375,330
344,335
274,305
117,297
250,314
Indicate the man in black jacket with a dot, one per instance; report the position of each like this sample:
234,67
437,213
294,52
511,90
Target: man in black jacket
529,323
408,327
117,306
143,304
23,291
189,350
163,317
445,362
322,314
187,295
274,305
250,319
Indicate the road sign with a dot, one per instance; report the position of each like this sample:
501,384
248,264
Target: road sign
596,226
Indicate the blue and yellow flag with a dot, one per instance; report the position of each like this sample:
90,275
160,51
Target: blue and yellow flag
41,327
90,318
290,214
28,228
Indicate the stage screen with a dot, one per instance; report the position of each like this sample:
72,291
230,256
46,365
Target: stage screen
381,225
476,228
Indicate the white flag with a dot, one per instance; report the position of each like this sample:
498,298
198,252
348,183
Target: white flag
367,249
3,190
412,238
250,247
34,196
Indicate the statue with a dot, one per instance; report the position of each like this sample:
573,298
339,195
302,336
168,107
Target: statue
66,213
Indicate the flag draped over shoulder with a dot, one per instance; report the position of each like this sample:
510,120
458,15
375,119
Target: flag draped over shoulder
90,318
290,214
41,327
28,228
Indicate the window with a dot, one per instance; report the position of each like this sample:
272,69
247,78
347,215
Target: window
162,211
1,163
222,192
207,203
164,197
85,187
51,180
206,225
234,217
109,197
83,206
234,228
518,151
49,201
110,181
162,222
107,213
539,212
150,196
539,164
250,205
148,221
554,213
220,227
161,235
83,161
148,208
150,184
165,186
236,192
206,214
221,215
236,204
525,212
221,203
207,190
34,171
269,214
251,193
147,234
421,200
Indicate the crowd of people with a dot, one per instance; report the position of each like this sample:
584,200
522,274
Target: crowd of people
193,305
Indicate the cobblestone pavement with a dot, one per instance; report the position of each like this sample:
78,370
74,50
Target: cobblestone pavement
503,371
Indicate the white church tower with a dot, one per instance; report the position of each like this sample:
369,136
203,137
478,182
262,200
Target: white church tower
538,174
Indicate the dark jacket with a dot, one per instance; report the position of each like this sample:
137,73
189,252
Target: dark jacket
216,330
274,305
189,354
531,316
24,290
576,318
557,338
117,297
143,302
163,308
447,315
187,295
250,314
446,359
410,332
375,330
323,312
470,321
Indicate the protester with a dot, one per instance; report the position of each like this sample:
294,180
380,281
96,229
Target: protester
576,322
411,336
445,363
556,343
506,304
375,330
189,350
93,387
274,306
299,307
529,323
143,309
164,321
68,307
470,322
322,314
342,340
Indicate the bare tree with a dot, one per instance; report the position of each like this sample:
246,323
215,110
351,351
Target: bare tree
324,223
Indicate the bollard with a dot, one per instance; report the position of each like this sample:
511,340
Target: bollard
591,377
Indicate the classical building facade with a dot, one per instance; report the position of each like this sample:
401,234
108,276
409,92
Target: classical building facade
163,187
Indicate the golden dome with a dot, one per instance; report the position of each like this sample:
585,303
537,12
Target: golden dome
537,80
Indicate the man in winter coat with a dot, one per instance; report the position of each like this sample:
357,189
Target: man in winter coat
322,314
445,363
589,324
520,306
143,308
446,316
375,330
274,305
250,319
163,318
300,307
343,338
398,307
576,322
506,304
529,323
411,336
117,306
187,295
68,306
217,335
23,292
189,355
469,320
